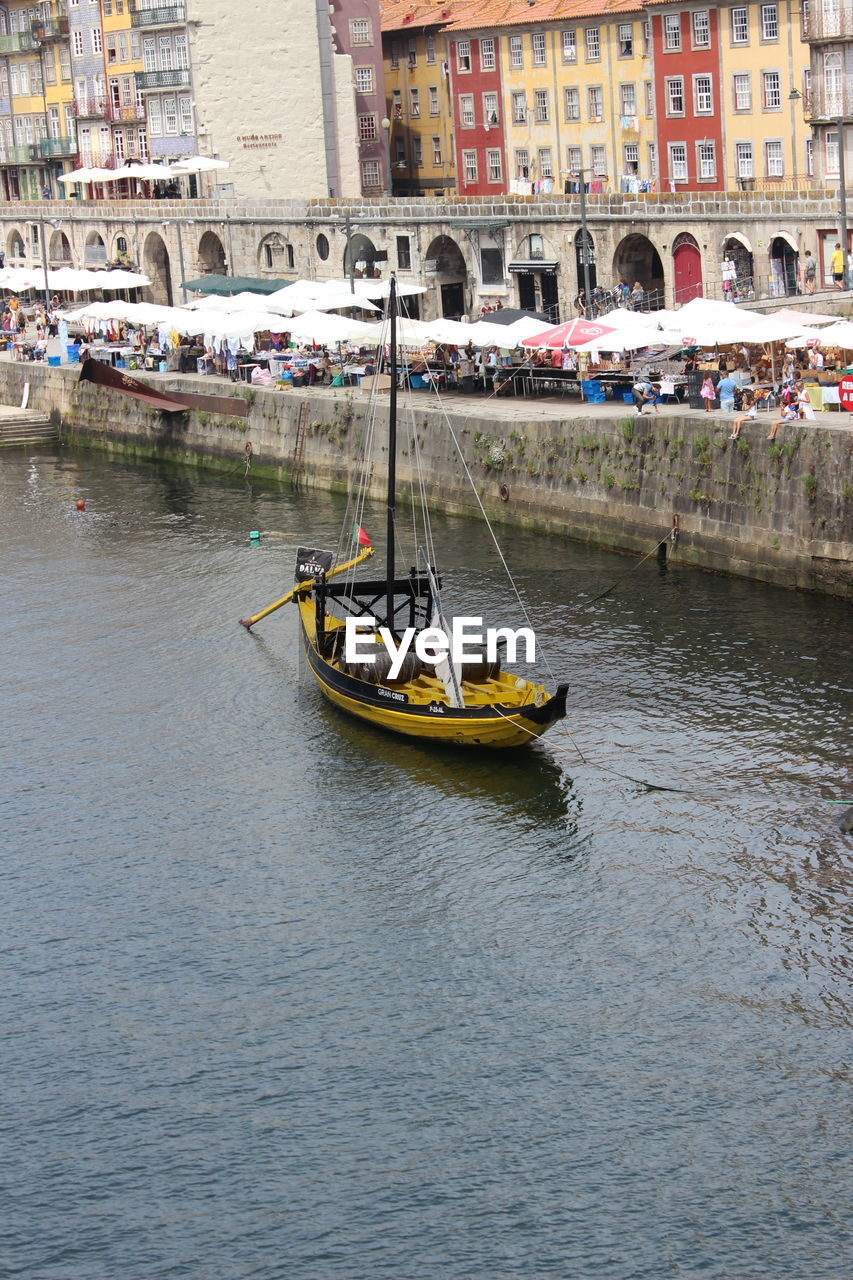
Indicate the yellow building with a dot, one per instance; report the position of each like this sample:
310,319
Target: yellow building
764,88
124,108
577,97
37,139
420,150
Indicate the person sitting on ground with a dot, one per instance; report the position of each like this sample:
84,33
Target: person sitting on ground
789,414
726,392
804,404
750,412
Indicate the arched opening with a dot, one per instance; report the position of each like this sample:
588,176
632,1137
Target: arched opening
16,249
585,253
636,258
95,252
686,269
211,255
275,254
445,261
156,265
59,249
535,272
784,266
363,256
738,269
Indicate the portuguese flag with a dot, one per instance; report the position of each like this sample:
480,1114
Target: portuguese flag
359,537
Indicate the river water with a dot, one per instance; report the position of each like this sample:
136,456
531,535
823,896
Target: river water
285,997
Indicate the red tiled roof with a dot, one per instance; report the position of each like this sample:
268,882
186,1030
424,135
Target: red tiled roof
417,15
489,14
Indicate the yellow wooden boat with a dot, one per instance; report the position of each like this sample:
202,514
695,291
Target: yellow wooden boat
475,705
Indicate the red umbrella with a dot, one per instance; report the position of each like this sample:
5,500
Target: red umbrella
574,333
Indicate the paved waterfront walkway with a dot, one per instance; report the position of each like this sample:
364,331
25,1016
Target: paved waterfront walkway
501,408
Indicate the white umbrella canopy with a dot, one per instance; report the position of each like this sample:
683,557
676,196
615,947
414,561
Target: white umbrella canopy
19,279
70,279
321,327
304,295
236,324
197,164
839,334
235,302
90,174
453,331
367,288
807,318
142,172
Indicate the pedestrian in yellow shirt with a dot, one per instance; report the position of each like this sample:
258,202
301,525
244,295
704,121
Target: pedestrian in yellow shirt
836,266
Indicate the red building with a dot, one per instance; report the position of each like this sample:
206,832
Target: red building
687,98
475,83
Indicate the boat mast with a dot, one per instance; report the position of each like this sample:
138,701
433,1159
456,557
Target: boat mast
392,459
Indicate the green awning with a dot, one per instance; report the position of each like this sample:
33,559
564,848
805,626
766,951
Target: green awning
226,285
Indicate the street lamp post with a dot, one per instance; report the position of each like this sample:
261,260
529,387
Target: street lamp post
43,239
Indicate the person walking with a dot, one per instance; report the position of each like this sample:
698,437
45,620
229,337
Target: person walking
836,266
809,271
707,392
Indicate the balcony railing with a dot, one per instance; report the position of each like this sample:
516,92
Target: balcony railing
88,108
100,109
27,154
821,21
823,104
162,79
17,42
44,29
54,148
167,15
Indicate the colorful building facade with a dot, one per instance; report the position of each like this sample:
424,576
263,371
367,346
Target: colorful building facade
37,138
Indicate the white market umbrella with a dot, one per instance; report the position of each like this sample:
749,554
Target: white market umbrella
453,331
326,329
302,296
197,164
839,334
807,318
87,175
142,172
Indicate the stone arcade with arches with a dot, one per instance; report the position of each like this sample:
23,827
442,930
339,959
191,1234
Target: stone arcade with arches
469,253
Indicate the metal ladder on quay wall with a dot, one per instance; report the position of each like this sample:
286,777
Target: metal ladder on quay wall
299,447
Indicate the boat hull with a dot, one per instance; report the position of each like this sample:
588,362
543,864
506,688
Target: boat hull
489,726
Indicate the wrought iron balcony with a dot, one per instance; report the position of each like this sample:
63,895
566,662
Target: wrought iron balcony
46,29
832,104
163,79
132,111
167,15
17,42
822,22
89,108
54,148
27,154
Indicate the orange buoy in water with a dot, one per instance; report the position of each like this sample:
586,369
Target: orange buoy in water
80,504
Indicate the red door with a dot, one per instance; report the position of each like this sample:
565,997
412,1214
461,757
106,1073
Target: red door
687,269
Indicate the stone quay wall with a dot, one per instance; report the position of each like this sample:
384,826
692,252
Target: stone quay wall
780,513
634,236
